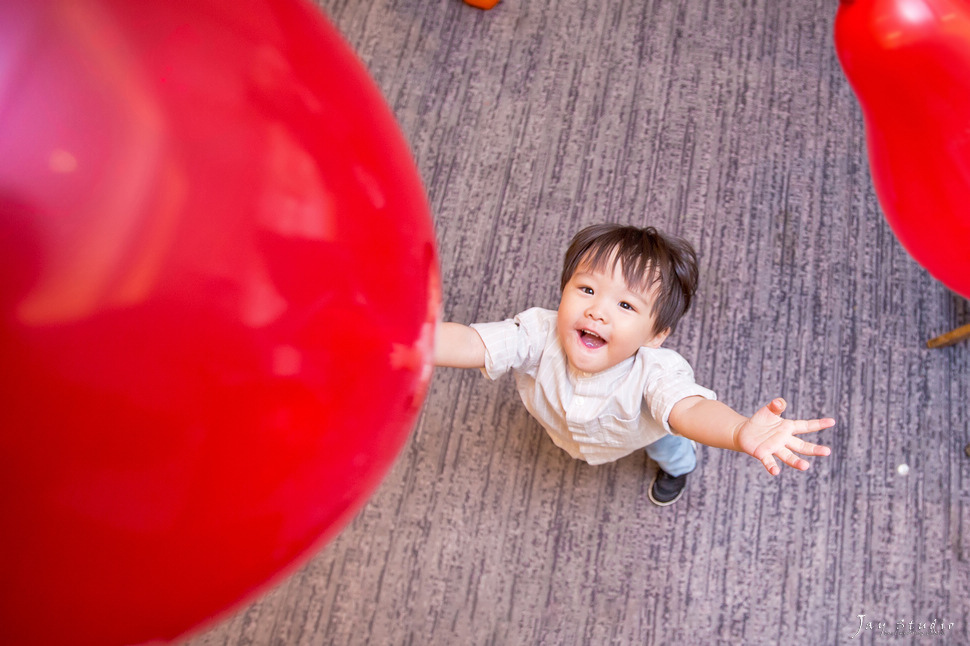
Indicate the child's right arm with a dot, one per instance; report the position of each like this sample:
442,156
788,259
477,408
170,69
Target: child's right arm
458,346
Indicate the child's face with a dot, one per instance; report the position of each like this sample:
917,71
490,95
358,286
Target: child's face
602,321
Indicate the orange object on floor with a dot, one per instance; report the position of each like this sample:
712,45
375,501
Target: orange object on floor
483,4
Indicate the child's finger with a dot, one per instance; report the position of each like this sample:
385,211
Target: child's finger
792,460
770,464
807,448
812,425
777,406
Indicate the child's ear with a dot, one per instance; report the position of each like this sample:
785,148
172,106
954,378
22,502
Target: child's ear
658,339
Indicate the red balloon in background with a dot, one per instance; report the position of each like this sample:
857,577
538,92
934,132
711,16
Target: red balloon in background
909,64
218,288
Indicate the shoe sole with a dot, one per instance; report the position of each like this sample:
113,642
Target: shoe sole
659,503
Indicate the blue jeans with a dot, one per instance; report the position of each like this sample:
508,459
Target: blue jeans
674,454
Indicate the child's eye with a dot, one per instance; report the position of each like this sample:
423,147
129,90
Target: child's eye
586,290
627,306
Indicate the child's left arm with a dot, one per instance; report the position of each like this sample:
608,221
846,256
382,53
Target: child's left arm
764,435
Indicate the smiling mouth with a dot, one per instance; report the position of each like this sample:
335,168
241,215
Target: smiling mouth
591,340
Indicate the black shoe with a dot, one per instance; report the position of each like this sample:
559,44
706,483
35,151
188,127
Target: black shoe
666,489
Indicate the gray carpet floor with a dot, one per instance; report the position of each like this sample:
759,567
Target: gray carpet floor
728,123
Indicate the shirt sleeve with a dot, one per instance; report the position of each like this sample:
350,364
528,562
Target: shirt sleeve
514,344
672,380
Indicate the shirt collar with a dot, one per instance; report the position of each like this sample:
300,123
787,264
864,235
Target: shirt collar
604,376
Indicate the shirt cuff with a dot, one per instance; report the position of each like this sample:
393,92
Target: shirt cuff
682,392
500,349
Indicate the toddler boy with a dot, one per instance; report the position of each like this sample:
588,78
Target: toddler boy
594,374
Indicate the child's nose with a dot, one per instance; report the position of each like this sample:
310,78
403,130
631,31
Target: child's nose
595,312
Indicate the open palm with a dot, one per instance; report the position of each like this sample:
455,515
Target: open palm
765,436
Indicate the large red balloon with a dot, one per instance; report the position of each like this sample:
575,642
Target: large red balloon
218,288
909,64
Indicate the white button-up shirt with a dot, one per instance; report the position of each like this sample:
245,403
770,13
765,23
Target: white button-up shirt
597,417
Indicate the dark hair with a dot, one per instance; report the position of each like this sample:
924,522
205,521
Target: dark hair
647,257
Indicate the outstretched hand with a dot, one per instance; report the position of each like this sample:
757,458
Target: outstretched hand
765,435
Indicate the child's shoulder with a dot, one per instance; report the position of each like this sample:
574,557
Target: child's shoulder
540,312
537,317
661,358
